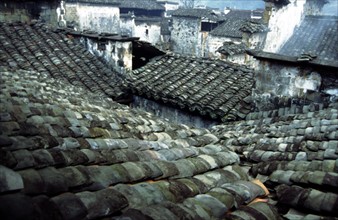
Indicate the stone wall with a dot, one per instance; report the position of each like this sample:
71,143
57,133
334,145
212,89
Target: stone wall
98,18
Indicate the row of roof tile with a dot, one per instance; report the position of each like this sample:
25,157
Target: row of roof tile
295,153
38,48
61,158
217,89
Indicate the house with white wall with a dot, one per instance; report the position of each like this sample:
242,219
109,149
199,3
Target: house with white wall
190,30
94,15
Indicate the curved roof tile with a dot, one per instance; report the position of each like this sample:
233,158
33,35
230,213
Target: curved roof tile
37,47
68,153
208,87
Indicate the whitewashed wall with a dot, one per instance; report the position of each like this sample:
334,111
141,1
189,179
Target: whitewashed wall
116,54
97,18
275,79
282,23
154,32
127,26
215,42
185,35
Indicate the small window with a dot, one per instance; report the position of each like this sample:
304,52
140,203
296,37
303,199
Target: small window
101,45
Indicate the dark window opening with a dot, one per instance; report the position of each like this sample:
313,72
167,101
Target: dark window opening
143,52
207,26
101,45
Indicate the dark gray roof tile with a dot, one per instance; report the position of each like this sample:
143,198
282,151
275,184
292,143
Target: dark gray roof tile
24,158
70,206
37,47
7,159
184,89
258,210
141,4
306,196
74,178
17,206
103,202
53,181
315,35
236,27
10,180
32,181
212,205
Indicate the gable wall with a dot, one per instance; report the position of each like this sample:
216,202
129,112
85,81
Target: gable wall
117,54
185,35
97,18
148,31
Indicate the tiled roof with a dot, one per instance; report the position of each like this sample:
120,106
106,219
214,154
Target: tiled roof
235,27
67,153
245,14
208,87
295,150
37,47
230,48
198,13
141,4
317,35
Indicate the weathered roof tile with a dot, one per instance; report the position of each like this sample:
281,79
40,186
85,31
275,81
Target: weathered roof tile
198,90
70,206
316,35
10,180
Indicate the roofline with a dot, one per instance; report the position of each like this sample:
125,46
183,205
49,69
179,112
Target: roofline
92,3
100,36
291,59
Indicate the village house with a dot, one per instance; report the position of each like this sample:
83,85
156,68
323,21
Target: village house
26,11
190,30
241,30
68,151
94,15
305,67
142,19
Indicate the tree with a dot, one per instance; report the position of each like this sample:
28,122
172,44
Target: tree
188,3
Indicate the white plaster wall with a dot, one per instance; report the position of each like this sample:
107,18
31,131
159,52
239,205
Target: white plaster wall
169,7
60,11
154,32
274,79
185,35
114,54
255,41
238,58
127,26
97,18
215,42
282,23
